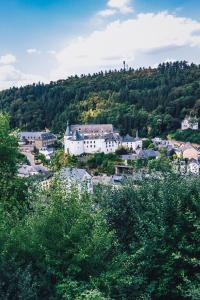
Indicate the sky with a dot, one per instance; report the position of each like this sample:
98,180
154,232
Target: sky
45,40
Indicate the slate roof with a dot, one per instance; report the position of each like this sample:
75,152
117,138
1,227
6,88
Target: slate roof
127,138
75,174
91,128
26,135
148,153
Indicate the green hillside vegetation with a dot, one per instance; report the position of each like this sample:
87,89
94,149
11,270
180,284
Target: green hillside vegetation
138,242
151,100
188,135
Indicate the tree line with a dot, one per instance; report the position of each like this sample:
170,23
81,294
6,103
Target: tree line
151,100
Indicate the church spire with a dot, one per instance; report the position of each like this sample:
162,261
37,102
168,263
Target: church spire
67,132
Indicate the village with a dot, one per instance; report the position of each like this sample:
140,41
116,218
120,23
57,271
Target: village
129,157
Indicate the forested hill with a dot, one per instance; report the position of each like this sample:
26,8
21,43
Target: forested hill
151,100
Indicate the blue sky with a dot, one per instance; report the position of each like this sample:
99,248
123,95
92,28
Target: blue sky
51,39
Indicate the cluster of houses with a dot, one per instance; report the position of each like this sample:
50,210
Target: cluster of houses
90,139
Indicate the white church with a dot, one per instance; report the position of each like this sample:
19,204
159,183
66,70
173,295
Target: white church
80,139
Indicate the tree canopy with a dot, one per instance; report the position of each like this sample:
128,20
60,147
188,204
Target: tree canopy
151,100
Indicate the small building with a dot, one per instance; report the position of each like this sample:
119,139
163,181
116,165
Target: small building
131,143
26,171
148,153
76,178
189,152
47,152
37,139
190,123
193,167
46,181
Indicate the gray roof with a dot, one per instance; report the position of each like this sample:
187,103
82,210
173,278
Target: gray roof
36,135
74,174
91,128
128,138
148,153
128,156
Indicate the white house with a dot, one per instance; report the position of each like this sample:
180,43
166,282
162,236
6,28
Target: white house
193,167
131,143
189,123
47,152
95,138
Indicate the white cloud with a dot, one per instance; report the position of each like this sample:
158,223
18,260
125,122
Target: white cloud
124,6
51,52
10,76
115,7
107,12
33,51
124,40
7,59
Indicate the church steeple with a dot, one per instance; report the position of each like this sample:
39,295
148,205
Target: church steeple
67,132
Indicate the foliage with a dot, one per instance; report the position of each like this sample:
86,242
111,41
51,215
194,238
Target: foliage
188,135
151,100
158,225
162,164
146,143
103,163
61,160
121,151
13,189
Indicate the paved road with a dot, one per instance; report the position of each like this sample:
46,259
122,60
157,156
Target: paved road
40,168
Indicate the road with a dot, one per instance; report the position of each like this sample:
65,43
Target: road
39,168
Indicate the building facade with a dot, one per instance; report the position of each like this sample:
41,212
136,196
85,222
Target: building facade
37,139
80,139
190,123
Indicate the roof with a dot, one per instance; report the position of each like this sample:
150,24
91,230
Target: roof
91,128
26,170
112,137
74,174
127,138
36,135
128,156
148,153
193,161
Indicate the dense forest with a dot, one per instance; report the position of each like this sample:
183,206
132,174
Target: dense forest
151,100
121,244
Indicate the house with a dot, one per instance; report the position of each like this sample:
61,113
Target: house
26,171
80,139
190,123
37,139
129,157
46,181
189,152
131,143
47,152
76,178
148,153
193,167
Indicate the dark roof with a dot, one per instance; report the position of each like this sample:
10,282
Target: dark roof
128,138
74,173
91,128
26,135
148,153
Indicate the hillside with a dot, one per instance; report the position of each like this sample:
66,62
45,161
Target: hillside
151,100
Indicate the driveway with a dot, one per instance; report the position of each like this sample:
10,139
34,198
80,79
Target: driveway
40,168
